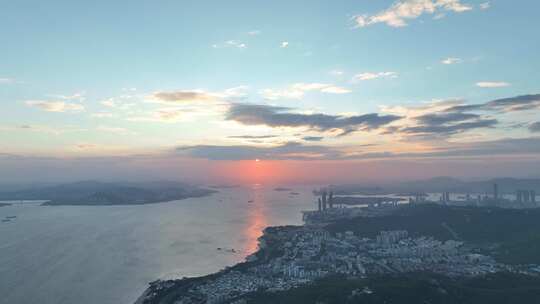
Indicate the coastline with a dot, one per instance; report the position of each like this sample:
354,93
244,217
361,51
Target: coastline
385,241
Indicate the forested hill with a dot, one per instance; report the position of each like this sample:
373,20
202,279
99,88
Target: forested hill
98,193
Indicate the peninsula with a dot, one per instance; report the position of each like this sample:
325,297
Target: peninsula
382,253
98,193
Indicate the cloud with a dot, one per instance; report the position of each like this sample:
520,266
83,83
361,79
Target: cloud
230,44
401,11
511,104
492,84
7,81
451,60
252,136
336,73
485,5
535,127
297,151
188,105
298,90
443,124
371,76
117,104
284,44
198,96
254,33
78,96
254,114
447,129
235,43
103,115
234,92
58,130
55,106
183,96
86,146
482,149
116,130
438,119
432,106
165,115
442,119
290,150
312,138
518,103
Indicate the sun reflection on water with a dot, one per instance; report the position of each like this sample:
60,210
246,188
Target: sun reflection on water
257,219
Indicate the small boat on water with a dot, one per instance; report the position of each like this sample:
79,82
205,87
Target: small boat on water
6,220
11,217
250,201
231,250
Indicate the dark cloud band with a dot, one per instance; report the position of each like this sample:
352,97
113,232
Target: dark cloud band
253,114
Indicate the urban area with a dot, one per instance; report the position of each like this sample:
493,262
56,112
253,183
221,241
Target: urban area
295,255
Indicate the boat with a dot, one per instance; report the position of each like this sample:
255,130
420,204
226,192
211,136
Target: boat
11,217
250,201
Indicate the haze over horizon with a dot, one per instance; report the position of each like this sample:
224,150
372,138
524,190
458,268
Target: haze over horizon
273,92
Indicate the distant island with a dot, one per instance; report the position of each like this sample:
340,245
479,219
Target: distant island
93,193
4,204
389,253
282,189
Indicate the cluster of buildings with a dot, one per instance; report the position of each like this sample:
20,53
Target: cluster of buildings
290,256
293,256
326,201
523,199
526,196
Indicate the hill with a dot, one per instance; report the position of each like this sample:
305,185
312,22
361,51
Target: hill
98,193
498,288
511,235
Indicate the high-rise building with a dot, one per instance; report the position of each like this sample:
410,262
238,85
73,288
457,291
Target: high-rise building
495,191
519,196
526,197
533,196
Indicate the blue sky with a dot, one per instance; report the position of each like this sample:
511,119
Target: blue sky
103,79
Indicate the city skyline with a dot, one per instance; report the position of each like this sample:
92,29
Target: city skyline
309,91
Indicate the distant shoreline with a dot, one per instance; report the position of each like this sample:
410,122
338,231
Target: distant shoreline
94,193
151,202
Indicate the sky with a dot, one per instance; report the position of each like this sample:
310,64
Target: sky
269,91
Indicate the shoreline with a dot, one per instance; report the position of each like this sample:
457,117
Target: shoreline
290,257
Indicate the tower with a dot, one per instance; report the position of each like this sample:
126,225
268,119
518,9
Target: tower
324,200
495,191
525,196
533,196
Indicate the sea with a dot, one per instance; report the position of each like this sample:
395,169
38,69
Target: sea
109,254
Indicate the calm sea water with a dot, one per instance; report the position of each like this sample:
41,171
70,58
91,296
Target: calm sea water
108,254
